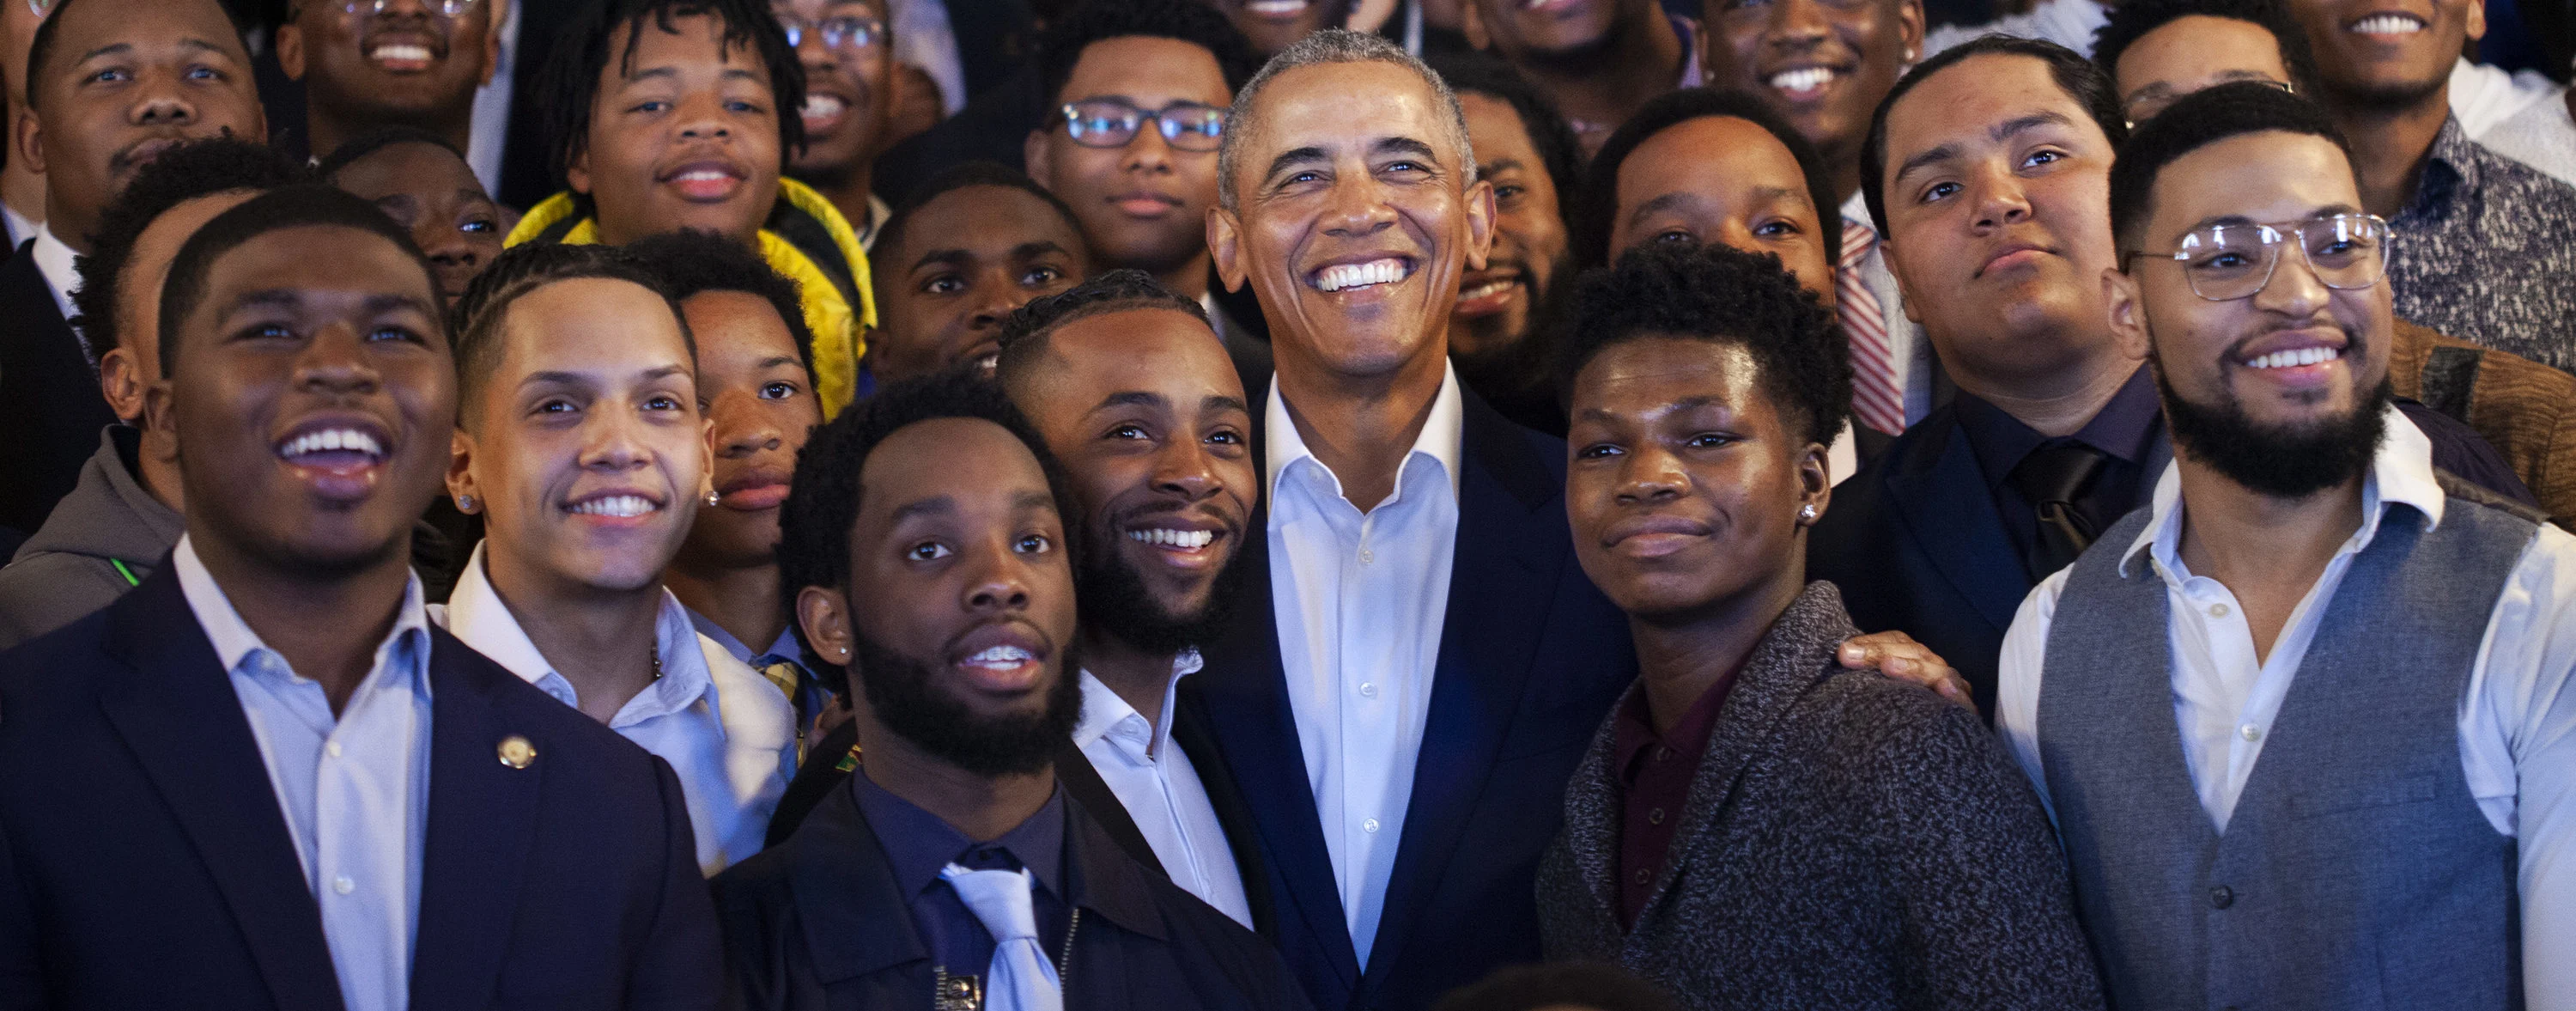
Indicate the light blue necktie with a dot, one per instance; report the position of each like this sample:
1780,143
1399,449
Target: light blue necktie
1021,978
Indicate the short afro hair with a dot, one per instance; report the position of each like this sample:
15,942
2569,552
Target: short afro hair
379,139
570,82
2210,115
690,262
479,313
200,168
957,177
2133,19
2078,77
1024,334
302,205
1727,296
1190,21
823,496
1560,153
1596,209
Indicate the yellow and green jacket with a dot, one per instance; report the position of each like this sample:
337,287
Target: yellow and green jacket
806,239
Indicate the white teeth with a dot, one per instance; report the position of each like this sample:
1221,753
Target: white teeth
1188,540
1000,656
1805,79
2388,24
1487,289
331,439
615,505
699,175
823,106
1359,275
401,52
1274,8
2294,358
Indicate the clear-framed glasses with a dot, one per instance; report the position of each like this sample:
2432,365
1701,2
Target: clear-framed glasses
1113,122
845,34
2229,262
371,8
2147,105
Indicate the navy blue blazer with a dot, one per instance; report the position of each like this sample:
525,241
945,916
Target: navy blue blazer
144,861
50,404
1531,658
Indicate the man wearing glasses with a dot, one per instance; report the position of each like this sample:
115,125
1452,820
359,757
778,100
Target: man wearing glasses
848,56
1139,92
2306,723
368,64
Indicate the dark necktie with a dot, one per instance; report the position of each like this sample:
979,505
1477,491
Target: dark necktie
2050,478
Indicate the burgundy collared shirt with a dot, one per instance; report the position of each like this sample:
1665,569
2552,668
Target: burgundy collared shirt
1655,773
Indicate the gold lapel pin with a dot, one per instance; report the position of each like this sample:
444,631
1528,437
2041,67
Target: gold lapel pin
517,753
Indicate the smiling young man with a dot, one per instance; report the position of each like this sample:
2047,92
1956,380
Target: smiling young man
111,83
847,50
2157,51
950,867
264,772
1124,380
2486,247
2312,708
368,65
974,243
1525,149
580,443
667,115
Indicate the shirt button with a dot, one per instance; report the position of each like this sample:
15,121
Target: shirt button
1645,876
1368,689
1367,556
1369,825
331,748
343,885
2221,897
2250,732
2218,610
1655,817
1662,753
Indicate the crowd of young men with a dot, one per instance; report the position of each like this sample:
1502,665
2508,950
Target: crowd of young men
818,504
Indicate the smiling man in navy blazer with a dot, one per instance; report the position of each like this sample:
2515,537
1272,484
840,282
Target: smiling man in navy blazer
262,779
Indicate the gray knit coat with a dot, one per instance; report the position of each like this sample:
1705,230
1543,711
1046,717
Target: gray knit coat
1850,842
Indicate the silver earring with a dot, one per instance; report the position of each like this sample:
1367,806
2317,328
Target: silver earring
1807,513
713,498
465,503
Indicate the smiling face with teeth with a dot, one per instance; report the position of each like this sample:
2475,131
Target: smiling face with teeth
407,65
848,101
1354,219
583,449
1823,64
2384,54
683,136
317,393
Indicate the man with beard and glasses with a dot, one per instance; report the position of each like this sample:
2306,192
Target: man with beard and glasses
110,85
1125,380
937,500
2307,722
1598,60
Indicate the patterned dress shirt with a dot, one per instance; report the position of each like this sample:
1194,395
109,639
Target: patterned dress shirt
2486,252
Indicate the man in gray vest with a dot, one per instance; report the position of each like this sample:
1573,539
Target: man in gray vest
2306,722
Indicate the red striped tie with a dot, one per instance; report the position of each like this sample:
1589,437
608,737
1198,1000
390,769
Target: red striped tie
1876,400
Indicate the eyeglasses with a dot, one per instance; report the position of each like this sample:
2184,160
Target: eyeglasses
847,33
2229,262
371,8
1113,122
2147,106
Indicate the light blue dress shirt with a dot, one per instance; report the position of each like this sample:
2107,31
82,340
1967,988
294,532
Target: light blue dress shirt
354,788
1359,599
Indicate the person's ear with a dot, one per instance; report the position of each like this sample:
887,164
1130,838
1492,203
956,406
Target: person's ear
158,419
1033,153
1896,269
2477,21
1480,223
290,49
2122,296
1815,483
496,15
122,383
824,614
29,134
577,173
461,484
1909,32
1224,239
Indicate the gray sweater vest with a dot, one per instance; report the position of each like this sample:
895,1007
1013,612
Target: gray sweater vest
2356,873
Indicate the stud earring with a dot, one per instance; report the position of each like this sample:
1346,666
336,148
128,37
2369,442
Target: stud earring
465,503
1807,513
713,498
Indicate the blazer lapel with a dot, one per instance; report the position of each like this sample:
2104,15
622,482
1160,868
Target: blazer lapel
1954,521
1233,814
482,823
1502,579
186,727
1592,825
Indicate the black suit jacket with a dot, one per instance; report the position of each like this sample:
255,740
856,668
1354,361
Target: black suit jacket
144,861
51,410
1531,658
820,922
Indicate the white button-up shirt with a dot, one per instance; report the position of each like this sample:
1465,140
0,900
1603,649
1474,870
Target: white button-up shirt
728,733
1360,599
354,787
2517,720
1161,790
60,266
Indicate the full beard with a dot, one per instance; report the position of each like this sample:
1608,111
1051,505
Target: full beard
1115,600
904,694
2287,462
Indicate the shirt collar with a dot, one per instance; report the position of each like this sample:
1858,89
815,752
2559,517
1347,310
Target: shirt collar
57,262
918,844
477,615
405,648
2451,166
1856,209
1442,434
2401,473
1103,710
2125,428
878,212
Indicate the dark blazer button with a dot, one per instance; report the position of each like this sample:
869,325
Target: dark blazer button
2221,897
